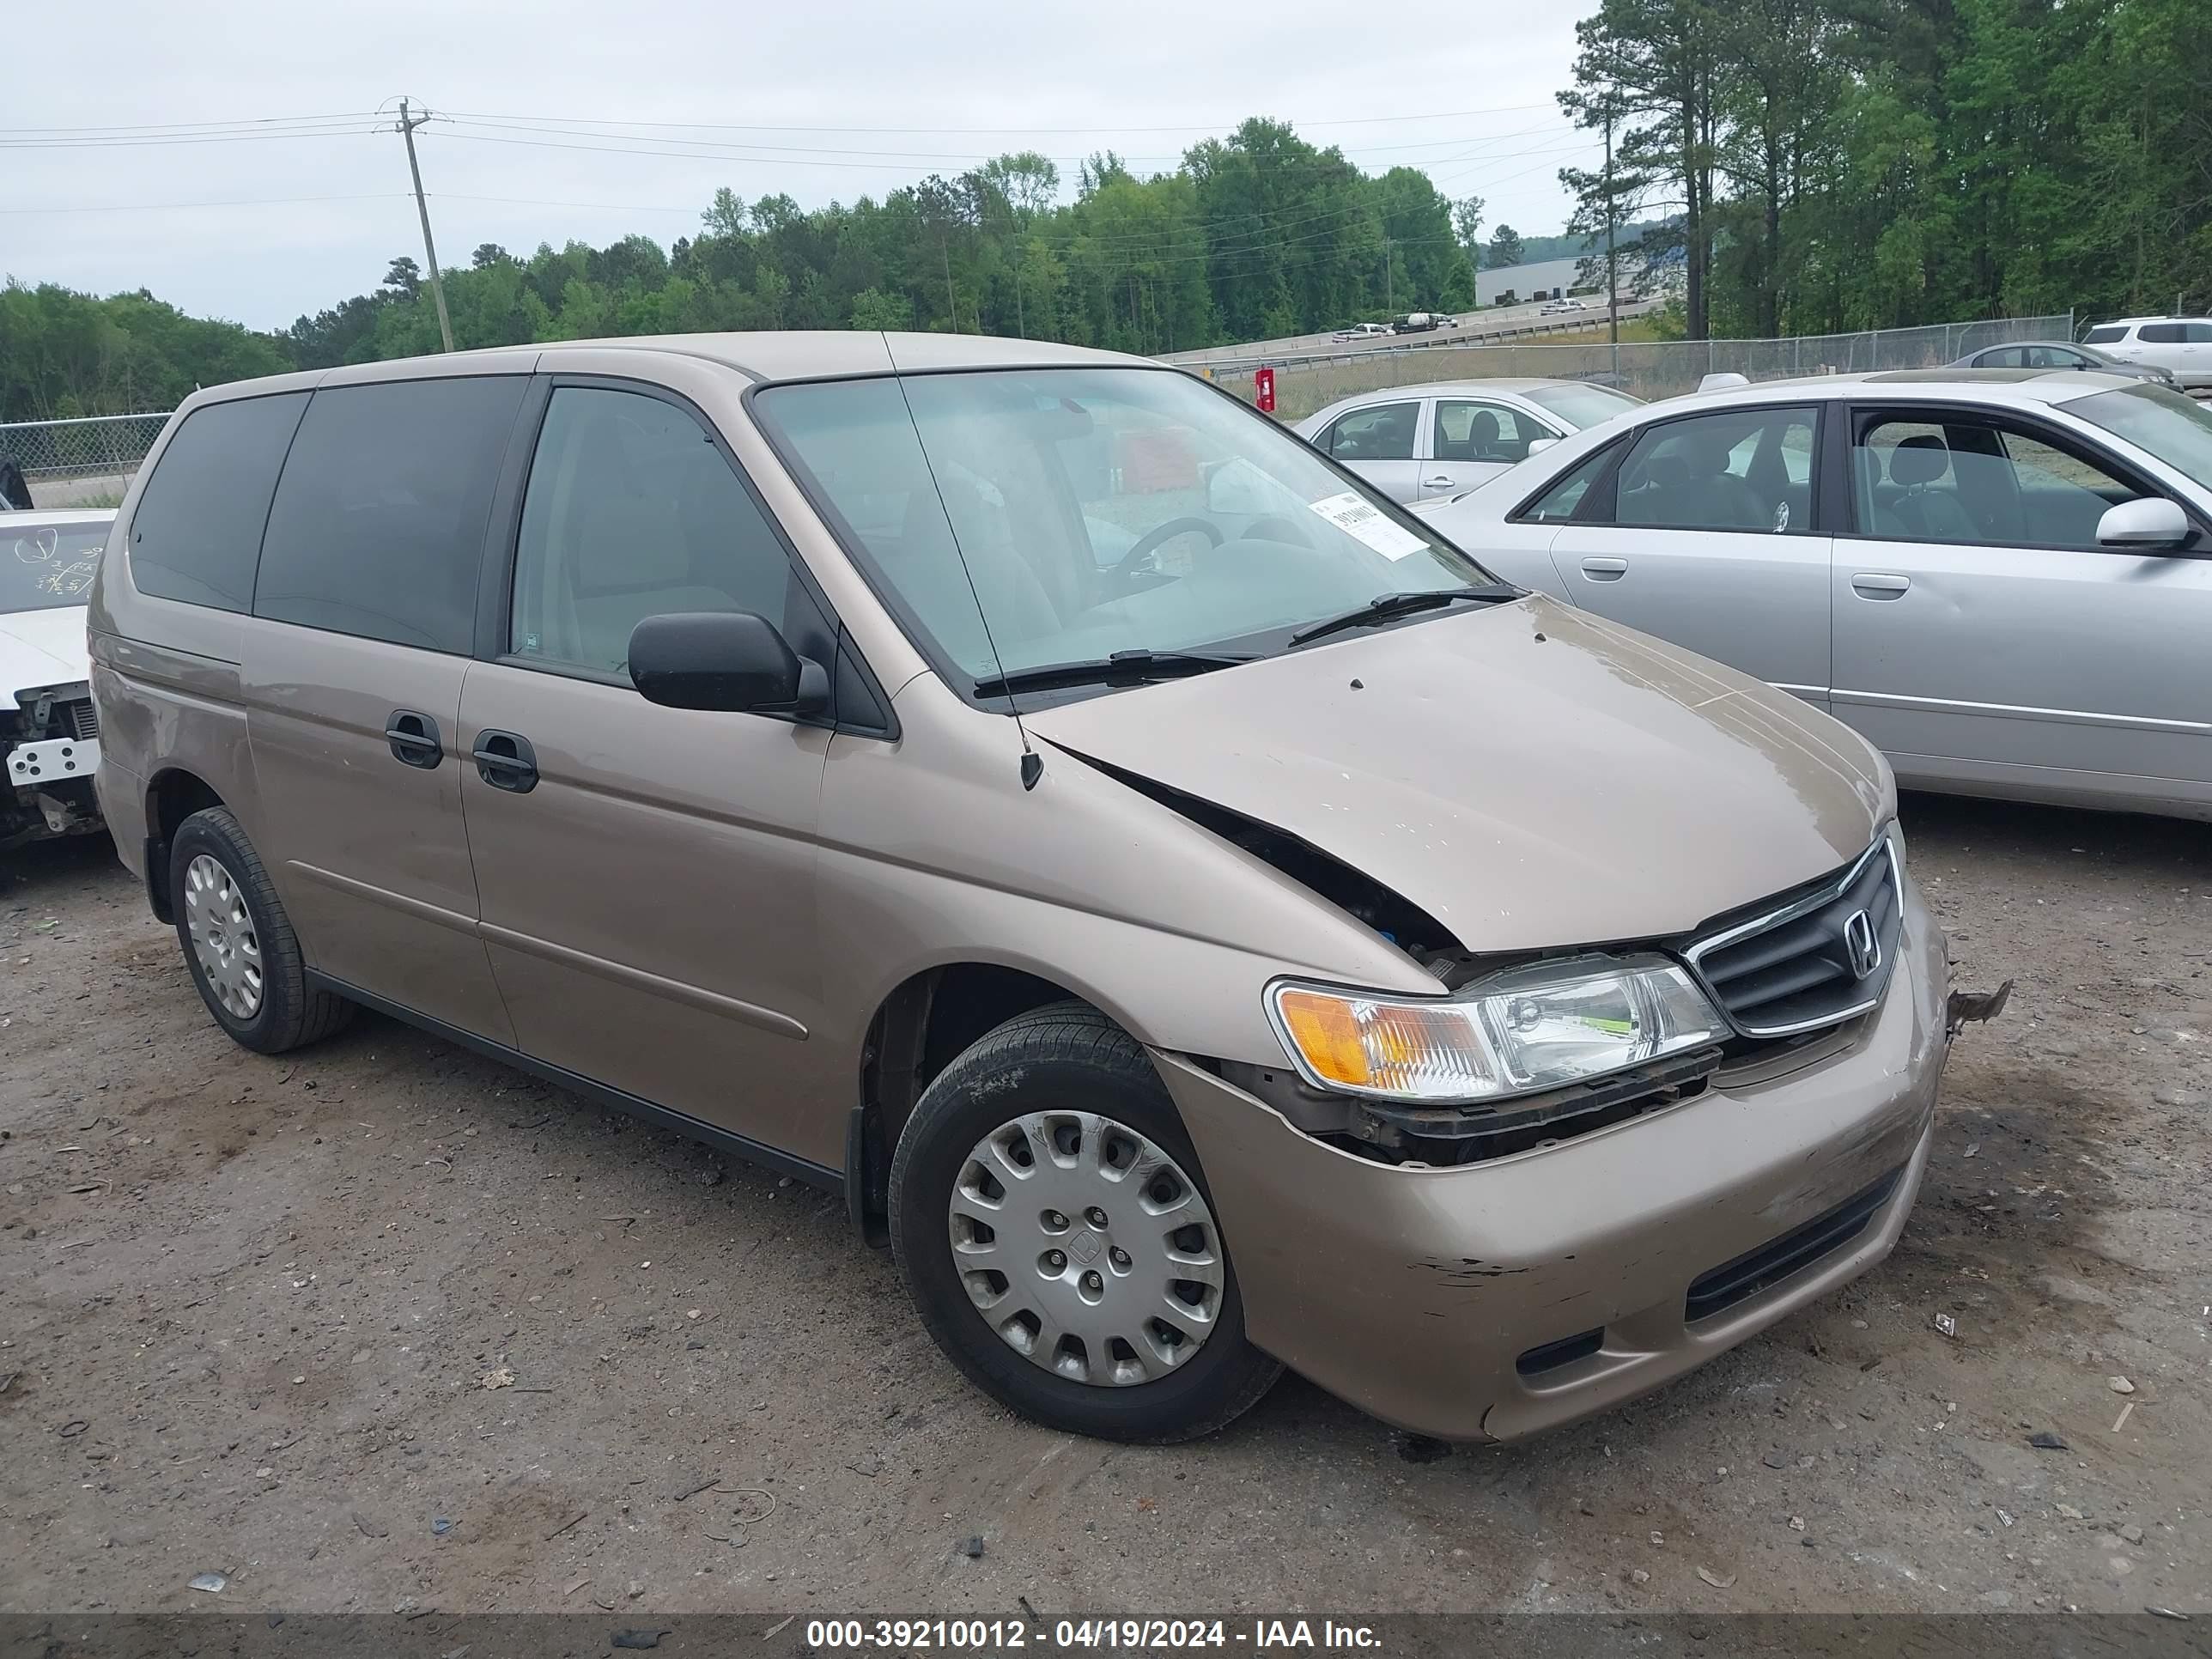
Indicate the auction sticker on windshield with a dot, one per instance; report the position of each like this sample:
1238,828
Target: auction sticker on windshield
1355,517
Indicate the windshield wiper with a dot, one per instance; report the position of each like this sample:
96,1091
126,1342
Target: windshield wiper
1134,666
1384,607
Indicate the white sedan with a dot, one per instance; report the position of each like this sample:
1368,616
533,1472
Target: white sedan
1427,442
49,735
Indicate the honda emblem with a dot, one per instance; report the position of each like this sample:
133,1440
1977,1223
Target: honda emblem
1860,944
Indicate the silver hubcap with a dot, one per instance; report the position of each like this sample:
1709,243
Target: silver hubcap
222,937
1086,1247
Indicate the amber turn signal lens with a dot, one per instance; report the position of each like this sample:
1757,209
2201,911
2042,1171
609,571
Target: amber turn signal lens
1326,1031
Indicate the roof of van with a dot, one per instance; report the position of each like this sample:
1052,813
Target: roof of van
765,356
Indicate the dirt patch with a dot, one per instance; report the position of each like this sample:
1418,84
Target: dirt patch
272,1293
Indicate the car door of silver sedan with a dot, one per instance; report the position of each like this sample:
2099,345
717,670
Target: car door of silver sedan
1983,638
1711,543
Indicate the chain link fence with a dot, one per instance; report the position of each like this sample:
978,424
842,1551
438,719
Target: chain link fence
1664,368
80,463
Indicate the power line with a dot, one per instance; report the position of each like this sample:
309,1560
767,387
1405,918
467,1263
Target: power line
205,127
1187,126
251,201
345,130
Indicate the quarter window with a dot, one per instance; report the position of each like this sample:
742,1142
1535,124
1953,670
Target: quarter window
632,512
1748,470
1557,504
197,532
1382,433
377,527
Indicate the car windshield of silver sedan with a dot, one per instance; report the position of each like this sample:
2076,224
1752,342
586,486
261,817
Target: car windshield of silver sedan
1029,524
2175,428
43,566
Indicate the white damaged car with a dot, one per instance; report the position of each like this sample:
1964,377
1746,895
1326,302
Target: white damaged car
49,735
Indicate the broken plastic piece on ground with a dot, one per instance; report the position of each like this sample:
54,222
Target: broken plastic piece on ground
1966,1007
211,1582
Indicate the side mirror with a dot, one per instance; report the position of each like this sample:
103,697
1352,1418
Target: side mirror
729,661
2151,522
1538,446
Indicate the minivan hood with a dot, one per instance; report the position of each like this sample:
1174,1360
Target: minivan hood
1531,776
40,648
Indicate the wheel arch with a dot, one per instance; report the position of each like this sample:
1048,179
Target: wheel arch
172,794
918,1030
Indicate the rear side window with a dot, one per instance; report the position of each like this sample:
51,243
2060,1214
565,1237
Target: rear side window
2106,334
2162,334
198,530
1383,434
377,527
2199,333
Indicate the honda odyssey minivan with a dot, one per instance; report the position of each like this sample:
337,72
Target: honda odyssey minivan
1278,944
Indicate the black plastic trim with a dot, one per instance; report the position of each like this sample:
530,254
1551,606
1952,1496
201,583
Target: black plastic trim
1553,1356
1745,1276
599,1094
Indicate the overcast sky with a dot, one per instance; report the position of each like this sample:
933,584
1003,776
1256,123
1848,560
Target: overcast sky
824,100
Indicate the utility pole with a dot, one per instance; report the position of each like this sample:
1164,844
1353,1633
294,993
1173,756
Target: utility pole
1611,257
1389,301
407,126
951,303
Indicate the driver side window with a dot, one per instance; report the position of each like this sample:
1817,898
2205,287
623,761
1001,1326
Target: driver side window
631,511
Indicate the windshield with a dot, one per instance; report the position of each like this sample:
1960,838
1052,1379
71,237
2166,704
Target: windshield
1581,406
1018,518
2105,335
2176,430
48,565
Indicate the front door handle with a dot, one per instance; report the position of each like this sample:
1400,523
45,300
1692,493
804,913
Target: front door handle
414,739
1880,585
1604,570
505,761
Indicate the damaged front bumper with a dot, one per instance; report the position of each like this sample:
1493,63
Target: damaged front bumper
49,749
1492,1300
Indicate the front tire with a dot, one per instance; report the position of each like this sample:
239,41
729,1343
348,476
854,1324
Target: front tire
238,942
1053,1226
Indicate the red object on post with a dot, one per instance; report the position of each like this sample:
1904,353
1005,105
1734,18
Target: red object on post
1263,390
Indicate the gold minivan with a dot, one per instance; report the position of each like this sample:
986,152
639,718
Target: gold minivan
1204,921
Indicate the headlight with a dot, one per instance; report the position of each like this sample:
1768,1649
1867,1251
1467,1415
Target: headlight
1518,1032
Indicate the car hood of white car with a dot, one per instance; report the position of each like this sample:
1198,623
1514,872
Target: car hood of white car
40,648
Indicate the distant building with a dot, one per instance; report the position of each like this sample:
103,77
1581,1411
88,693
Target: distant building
1535,282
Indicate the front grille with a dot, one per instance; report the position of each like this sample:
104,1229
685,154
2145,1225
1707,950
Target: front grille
1812,958
81,719
1772,1262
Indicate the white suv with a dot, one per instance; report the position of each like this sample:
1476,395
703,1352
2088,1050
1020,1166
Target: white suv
2182,345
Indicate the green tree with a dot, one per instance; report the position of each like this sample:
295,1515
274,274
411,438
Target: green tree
1504,248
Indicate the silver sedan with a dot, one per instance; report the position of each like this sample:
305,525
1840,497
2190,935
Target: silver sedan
1425,442
2003,579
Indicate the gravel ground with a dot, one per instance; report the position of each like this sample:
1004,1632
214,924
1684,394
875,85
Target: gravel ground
381,1325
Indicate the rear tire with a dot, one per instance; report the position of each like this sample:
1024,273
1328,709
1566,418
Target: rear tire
238,942
1068,1089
